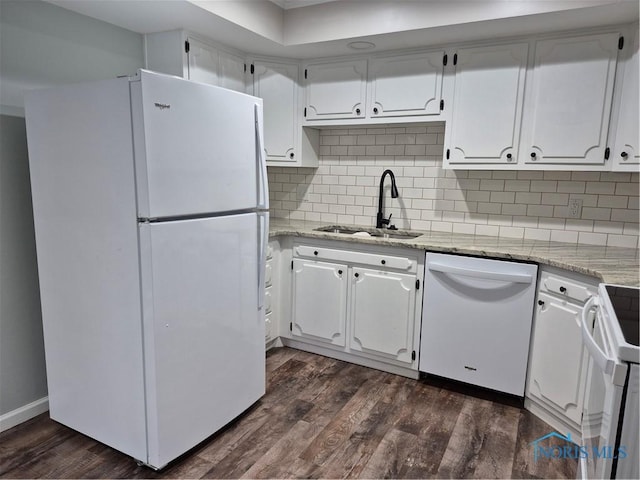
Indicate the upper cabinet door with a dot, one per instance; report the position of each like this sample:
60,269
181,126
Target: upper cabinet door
626,148
203,62
568,100
231,71
336,90
404,85
486,104
276,84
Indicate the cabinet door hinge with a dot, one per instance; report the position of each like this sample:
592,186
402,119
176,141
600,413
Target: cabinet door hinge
445,59
418,284
252,69
291,326
413,355
441,105
305,73
245,68
448,152
620,43
291,264
607,152
305,111
187,47
455,58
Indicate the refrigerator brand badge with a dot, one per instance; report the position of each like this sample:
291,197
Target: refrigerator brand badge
162,106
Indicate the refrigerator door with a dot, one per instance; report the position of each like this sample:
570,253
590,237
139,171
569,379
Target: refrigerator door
203,331
195,147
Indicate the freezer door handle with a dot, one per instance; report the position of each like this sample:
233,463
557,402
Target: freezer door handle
471,272
263,184
263,236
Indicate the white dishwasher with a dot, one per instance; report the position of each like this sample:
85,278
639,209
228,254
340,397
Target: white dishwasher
476,320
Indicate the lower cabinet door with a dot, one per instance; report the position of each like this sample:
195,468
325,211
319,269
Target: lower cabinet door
383,313
556,364
319,306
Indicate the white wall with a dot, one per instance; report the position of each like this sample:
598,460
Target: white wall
40,45
522,204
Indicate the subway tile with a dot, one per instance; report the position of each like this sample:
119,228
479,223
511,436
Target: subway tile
556,175
376,130
338,170
347,180
478,196
476,218
555,199
551,223
415,150
357,131
502,220
585,176
607,188
427,139
514,209
469,184
490,208
631,229
608,227
416,130
504,175
345,219
394,150
634,204
329,140
529,175
434,150
356,150
346,200
579,225
339,150
395,130
625,241
465,206
544,186
467,228
564,236
512,232
627,189
540,210
502,197
441,226
421,225
422,204
354,209
337,209
587,200
366,140
493,185
537,234
624,215
374,150
481,174
347,140
592,238
590,213
517,185
613,201
615,177
524,221
312,216
491,230
329,217
385,139
405,139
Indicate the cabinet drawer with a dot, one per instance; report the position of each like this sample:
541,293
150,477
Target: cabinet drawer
404,264
571,289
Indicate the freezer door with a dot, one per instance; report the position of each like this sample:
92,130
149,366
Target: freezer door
195,147
203,332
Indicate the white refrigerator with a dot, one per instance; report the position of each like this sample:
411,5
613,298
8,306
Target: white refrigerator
151,216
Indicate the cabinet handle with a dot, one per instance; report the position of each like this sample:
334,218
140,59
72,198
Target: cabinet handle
315,252
383,262
624,155
291,155
356,275
375,109
540,302
563,289
357,111
509,157
339,272
533,155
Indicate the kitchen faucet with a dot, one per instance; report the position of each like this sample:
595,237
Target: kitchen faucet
380,220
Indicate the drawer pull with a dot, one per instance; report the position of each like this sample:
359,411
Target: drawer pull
315,252
383,262
540,302
339,272
563,289
470,368
356,275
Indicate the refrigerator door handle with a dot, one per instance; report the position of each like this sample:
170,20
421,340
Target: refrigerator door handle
263,185
263,237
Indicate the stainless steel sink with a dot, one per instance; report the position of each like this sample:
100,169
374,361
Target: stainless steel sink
372,232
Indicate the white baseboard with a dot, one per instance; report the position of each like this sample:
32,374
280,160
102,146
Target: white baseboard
24,413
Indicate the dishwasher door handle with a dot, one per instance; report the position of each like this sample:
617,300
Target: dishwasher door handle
471,272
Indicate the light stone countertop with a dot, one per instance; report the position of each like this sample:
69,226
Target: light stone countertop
610,264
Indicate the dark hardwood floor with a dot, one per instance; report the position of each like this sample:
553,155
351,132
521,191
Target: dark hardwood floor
320,418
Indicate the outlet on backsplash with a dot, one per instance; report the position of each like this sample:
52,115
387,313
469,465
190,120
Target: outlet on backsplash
575,208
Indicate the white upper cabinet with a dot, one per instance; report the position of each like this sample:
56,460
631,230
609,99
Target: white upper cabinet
203,62
231,71
335,90
277,85
568,100
626,146
405,85
178,53
486,105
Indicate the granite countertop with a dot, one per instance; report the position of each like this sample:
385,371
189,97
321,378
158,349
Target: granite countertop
610,264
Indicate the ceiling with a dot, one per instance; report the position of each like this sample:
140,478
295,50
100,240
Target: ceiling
319,28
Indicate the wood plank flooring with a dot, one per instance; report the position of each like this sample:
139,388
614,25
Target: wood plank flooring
320,418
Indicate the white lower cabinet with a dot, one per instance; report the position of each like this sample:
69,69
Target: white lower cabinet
319,301
271,294
383,308
557,366
357,305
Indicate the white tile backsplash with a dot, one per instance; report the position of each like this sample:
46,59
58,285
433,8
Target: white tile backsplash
513,204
